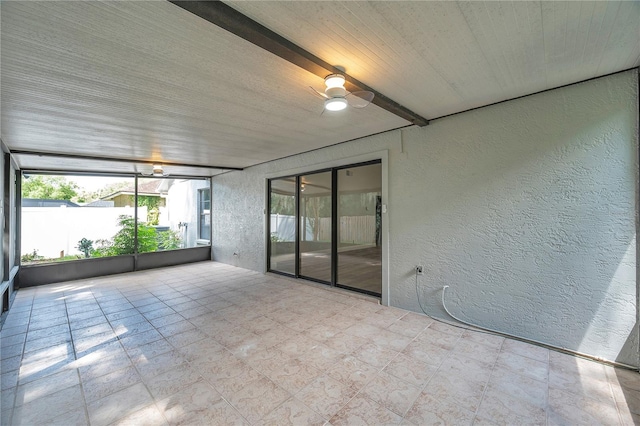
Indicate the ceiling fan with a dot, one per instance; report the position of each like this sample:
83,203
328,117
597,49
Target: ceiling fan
337,98
157,171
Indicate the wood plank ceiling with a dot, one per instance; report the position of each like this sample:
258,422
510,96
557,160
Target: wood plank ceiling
150,81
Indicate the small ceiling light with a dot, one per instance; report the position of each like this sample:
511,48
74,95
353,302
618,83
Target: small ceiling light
334,80
302,187
335,104
157,170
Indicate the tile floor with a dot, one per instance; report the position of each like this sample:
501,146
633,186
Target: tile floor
209,343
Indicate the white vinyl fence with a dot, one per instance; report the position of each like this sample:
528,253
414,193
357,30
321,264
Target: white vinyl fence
55,231
353,229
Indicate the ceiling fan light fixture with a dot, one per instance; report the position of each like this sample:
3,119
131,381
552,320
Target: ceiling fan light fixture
157,170
334,80
335,104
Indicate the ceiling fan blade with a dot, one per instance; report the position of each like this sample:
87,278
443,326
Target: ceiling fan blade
320,94
360,99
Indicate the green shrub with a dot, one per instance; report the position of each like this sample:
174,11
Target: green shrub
31,257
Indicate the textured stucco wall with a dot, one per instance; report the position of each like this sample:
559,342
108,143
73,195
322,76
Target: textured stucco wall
525,209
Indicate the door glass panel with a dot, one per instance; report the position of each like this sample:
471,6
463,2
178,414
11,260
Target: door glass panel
315,226
282,225
359,228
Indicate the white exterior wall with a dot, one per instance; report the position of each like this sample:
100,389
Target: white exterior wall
526,209
182,206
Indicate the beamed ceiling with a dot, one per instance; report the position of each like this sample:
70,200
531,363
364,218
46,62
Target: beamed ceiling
154,82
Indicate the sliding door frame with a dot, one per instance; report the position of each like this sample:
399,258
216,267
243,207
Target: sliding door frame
334,225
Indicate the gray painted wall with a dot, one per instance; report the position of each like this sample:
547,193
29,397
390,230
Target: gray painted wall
525,209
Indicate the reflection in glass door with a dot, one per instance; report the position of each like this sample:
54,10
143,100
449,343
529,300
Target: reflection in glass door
315,226
359,249
327,227
282,225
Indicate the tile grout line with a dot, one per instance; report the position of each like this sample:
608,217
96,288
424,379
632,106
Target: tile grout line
486,387
75,356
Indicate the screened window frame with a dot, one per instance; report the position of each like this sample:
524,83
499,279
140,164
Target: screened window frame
202,213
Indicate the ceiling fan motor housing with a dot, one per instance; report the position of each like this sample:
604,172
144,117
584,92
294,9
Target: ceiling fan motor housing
336,92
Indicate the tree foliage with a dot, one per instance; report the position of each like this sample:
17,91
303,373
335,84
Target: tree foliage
123,242
48,188
85,246
89,196
153,208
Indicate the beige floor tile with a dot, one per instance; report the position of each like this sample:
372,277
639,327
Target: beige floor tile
522,387
272,337
193,401
410,370
39,334
233,378
185,338
297,345
382,319
363,411
326,396
461,365
107,360
428,410
102,386
149,367
426,352
287,339
435,337
353,372
530,351
293,375
476,350
292,412
537,370
268,360
321,332
172,381
47,385
119,404
446,328
627,400
568,408
625,378
375,355
391,392
149,350
34,369
345,343
6,415
390,340
408,326
503,408
41,410
257,400
147,416
363,330
467,392
9,379
174,328
321,357
582,385
77,417
485,339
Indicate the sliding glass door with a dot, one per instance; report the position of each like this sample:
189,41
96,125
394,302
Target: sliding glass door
359,249
282,225
326,227
315,226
